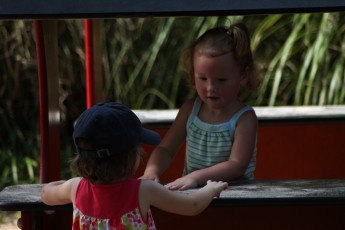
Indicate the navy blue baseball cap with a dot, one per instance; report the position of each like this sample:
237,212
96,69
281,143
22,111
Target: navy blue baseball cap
111,128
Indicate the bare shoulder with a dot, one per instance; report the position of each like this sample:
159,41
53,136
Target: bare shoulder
186,108
248,120
183,113
74,182
188,105
249,115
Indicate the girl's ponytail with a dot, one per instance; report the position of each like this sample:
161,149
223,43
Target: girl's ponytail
243,53
241,44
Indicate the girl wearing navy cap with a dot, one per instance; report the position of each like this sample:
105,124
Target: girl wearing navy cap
106,196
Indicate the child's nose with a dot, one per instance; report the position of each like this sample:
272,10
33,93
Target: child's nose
211,86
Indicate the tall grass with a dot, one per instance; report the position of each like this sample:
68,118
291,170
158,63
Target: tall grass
142,66
18,105
308,68
300,58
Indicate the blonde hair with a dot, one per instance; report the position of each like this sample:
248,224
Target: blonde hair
219,41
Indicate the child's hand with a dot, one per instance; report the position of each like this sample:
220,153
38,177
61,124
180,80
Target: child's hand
216,186
182,183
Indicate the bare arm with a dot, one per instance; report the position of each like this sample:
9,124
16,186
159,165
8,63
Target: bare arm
235,166
59,192
163,154
152,193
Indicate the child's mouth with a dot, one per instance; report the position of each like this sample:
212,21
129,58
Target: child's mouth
213,98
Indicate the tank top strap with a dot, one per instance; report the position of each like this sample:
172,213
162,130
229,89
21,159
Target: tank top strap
195,110
234,119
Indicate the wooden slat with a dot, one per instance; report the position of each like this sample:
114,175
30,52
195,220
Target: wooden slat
256,193
286,113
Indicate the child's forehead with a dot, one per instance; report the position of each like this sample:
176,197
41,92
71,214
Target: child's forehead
219,65
205,59
212,50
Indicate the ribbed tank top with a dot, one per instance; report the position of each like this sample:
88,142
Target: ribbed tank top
210,144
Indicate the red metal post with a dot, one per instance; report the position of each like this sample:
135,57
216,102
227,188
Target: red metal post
90,87
43,96
47,61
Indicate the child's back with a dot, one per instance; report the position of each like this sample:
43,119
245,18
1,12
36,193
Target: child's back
111,205
107,138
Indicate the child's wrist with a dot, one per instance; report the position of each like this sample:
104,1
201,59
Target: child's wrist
150,172
196,179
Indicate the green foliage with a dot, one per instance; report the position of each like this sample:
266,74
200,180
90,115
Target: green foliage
142,67
307,66
300,58
18,105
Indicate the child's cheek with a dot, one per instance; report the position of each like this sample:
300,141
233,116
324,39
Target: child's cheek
199,87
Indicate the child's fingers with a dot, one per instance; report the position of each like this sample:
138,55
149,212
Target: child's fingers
219,186
222,184
172,186
225,185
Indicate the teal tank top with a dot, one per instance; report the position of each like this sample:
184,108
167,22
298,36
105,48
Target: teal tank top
210,144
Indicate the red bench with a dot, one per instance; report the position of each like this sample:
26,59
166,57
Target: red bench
293,142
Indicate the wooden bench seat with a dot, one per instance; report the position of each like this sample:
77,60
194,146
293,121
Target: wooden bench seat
255,193
268,202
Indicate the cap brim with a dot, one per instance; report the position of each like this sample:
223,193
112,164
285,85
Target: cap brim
150,137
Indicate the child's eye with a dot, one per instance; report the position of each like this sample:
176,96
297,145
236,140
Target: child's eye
222,79
202,78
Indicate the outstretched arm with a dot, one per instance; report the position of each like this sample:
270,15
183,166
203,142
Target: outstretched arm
163,154
59,192
155,194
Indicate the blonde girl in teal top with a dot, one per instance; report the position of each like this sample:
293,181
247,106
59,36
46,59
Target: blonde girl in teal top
209,144
221,68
